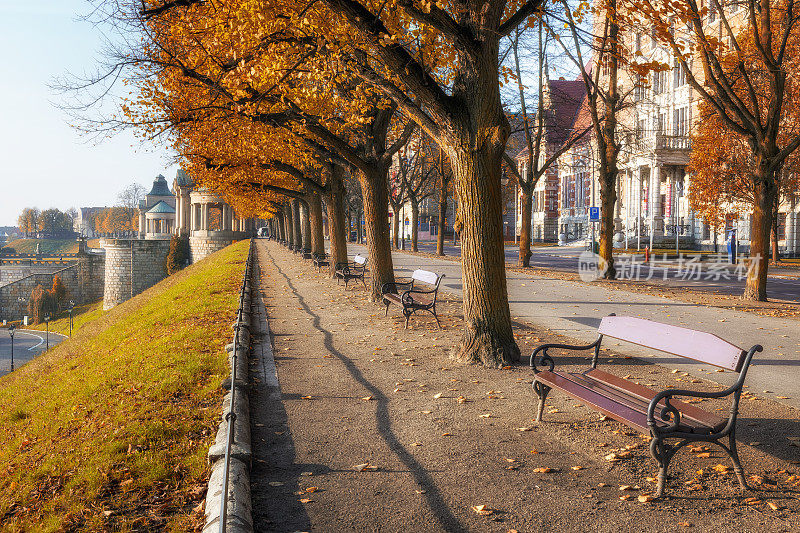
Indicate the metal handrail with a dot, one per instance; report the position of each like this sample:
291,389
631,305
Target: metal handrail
230,416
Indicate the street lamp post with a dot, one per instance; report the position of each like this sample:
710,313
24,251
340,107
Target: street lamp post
11,329
69,310
47,326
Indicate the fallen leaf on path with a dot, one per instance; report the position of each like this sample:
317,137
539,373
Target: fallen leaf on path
577,467
437,396
482,510
306,500
543,470
367,398
646,498
306,397
772,506
275,484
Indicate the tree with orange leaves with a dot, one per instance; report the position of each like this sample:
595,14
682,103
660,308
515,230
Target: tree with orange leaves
747,54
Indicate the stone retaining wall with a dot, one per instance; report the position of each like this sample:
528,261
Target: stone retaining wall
131,267
202,247
83,280
12,273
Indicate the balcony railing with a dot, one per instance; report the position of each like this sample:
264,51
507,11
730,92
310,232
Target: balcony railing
673,142
660,141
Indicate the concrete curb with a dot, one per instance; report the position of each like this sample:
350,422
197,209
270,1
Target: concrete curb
239,507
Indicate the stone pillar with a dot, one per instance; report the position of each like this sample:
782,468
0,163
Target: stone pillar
792,233
656,216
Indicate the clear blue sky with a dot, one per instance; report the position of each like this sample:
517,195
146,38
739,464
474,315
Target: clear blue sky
43,161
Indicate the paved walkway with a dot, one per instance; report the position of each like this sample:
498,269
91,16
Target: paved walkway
28,343
575,309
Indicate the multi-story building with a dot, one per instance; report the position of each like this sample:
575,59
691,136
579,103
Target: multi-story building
656,125
562,103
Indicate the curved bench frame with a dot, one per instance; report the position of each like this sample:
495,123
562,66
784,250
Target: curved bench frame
406,299
664,418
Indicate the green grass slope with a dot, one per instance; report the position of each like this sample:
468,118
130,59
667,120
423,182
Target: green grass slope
46,246
109,430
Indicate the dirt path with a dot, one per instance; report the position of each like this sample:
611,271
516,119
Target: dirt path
374,428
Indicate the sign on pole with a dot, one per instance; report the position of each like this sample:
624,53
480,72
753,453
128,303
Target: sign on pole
594,214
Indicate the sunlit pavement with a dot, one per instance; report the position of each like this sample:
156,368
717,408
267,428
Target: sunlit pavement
27,345
575,309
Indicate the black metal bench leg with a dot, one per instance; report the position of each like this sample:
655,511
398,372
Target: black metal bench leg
438,325
662,454
386,302
364,282
737,465
408,316
542,391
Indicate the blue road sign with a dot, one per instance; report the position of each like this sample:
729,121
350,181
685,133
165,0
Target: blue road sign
594,214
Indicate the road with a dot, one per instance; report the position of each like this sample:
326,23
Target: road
574,309
27,345
711,276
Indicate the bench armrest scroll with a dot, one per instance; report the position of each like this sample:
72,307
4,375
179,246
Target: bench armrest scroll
546,360
394,286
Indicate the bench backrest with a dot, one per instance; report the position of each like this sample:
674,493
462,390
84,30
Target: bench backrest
360,259
685,342
426,276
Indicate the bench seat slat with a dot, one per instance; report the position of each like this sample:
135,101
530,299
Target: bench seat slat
625,401
685,342
687,410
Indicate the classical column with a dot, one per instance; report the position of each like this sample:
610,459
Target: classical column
656,216
177,213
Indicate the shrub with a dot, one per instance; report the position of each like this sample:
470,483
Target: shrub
59,290
41,304
178,255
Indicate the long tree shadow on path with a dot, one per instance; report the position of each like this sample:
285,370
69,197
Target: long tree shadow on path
447,520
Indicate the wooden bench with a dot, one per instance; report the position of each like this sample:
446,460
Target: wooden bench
352,270
658,414
307,253
413,298
320,260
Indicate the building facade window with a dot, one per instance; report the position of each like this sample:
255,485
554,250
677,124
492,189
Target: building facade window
680,122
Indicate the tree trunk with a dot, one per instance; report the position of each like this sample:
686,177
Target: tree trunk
414,224
334,204
776,256
526,211
488,338
297,230
442,218
608,199
287,214
359,228
395,227
375,190
765,193
315,214
305,219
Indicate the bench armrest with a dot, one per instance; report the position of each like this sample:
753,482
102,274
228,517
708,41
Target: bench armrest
393,286
546,359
